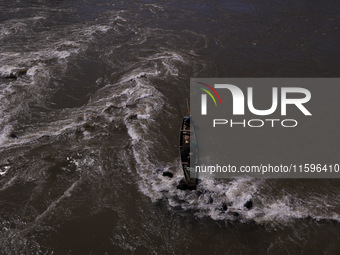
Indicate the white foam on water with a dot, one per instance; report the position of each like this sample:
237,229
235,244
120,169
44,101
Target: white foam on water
56,128
4,169
167,55
117,18
3,172
18,26
51,207
136,74
143,101
138,104
5,133
154,8
143,116
212,196
57,50
169,61
61,54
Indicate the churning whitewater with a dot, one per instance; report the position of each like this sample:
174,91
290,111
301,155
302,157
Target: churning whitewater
91,98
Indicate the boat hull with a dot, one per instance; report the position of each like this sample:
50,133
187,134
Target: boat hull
187,138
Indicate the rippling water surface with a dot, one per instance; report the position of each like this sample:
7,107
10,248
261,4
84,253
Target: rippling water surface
92,121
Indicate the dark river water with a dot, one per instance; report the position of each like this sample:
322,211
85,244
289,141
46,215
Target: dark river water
92,120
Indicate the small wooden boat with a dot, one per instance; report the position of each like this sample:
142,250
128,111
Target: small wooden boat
187,138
